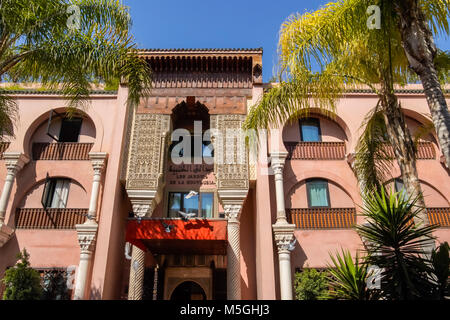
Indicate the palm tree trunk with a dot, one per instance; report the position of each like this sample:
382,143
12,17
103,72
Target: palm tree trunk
404,149
420,50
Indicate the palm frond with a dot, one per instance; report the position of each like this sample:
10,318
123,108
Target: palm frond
348,278
373,161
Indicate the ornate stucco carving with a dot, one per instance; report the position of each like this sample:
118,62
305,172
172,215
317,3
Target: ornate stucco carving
126,148
230,152
87,234
232,212
284,235
147,151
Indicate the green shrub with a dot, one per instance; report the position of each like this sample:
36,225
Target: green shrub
311,284
21,281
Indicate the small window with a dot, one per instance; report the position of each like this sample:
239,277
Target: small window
317,193
202,204
70,129
207,205
56,192
310,130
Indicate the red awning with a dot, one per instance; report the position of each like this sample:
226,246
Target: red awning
196,236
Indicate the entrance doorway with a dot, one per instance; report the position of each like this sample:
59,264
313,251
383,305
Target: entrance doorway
188,291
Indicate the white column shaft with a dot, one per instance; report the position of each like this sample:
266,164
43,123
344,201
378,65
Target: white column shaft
279,190
285,275
7,187
82,273
94,195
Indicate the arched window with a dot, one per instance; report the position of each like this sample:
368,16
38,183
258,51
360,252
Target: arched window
187,115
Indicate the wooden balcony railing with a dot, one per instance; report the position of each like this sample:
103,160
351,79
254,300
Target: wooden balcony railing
39,218
322,218
61,151
315,150
440,216
425,151
3,147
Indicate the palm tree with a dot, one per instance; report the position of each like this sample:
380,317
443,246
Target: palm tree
336,40
46,41
417,20
393,244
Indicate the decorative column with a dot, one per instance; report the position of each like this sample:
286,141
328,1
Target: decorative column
14,162
283,231
98,160
233,213
137,269
143,202
87,232
86,237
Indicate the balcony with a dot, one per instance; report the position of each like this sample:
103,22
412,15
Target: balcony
61,151
315,150
425,151
322,218
439,216
343,218
39,218
3,147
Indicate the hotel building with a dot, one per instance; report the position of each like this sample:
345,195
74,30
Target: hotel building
96,198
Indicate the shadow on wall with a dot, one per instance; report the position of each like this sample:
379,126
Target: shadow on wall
298,256
8,254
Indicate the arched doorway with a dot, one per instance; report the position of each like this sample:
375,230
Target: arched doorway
188,291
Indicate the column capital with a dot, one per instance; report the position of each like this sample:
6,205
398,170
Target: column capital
98,160
277,161
15,161
142,201
284,235
87,234
233,212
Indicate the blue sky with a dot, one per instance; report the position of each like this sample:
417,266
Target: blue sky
218,24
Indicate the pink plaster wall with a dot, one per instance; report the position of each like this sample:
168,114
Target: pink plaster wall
330,130
338,197
314,245
104,127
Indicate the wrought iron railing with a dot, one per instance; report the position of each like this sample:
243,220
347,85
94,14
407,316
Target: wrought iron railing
39,218
440,216
425,151
315,150
322,218
61,151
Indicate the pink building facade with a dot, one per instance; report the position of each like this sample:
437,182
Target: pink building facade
97,197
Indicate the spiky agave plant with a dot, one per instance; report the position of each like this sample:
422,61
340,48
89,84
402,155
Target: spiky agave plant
348,277
394,243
